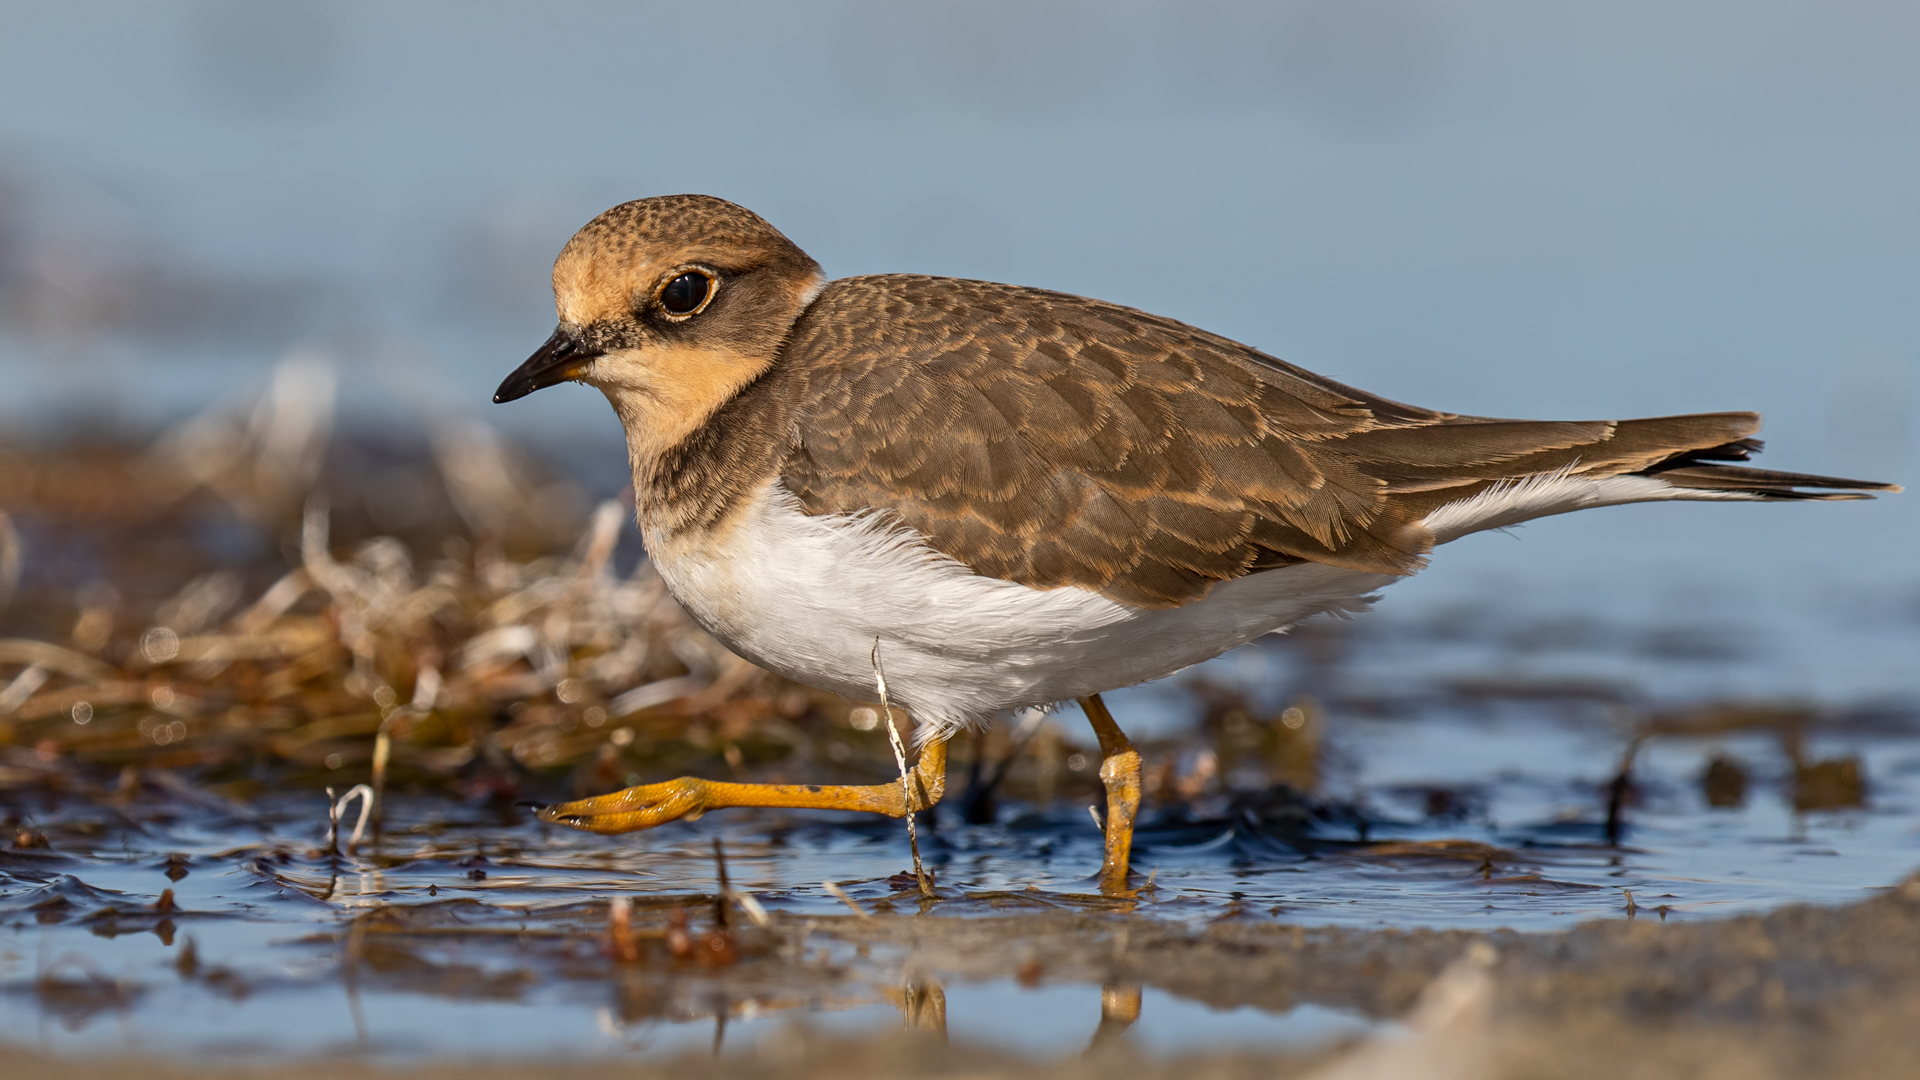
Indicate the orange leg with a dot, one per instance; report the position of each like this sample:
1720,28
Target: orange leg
1120,771
1119,1010
689,797
923,1007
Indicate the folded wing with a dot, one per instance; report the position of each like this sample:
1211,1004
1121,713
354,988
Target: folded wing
1055,440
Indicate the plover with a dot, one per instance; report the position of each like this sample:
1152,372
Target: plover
1002,497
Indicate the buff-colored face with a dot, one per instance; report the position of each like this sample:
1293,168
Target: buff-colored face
669,306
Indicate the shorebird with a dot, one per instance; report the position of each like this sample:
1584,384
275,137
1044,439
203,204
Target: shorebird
1002,497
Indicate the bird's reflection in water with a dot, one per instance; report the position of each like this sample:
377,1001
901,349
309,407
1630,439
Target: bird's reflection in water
923,1006
642,1007
1119,1010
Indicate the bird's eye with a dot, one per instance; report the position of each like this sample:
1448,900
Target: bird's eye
685,294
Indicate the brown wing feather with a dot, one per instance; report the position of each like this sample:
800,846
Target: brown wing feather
1055,440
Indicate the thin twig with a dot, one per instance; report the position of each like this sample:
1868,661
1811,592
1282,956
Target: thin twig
906,785
753,909
382,753
357,791
1618,790
721,896
9,560
426,690
22,687
76,665
846,899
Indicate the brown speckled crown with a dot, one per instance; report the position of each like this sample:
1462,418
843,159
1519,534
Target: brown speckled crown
681,221
1054,440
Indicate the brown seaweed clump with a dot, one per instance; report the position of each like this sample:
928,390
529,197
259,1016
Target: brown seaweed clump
482,641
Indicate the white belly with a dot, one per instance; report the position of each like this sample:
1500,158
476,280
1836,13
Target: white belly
809,598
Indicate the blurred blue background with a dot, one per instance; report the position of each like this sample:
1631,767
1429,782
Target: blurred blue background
1504,208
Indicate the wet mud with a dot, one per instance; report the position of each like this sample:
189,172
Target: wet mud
266,734
1803,991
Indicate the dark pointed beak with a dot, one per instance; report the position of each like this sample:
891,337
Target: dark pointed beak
560,359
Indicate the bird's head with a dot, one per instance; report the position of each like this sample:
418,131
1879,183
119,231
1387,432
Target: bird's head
669,305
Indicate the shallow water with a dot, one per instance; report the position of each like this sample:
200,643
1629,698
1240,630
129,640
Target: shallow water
1481,801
